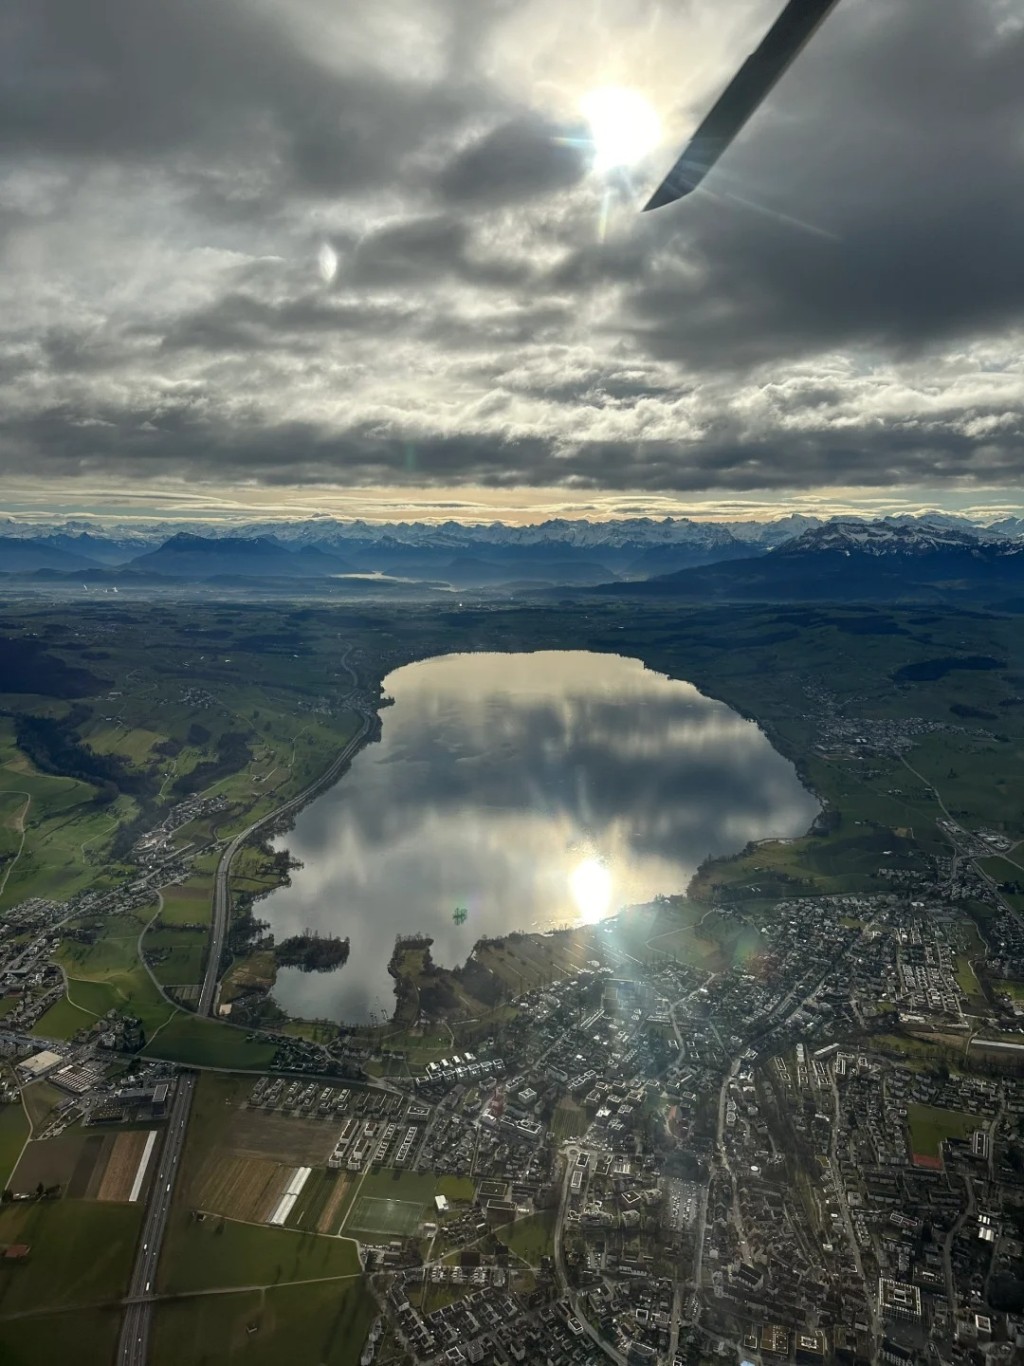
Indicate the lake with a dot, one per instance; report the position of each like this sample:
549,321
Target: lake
531,791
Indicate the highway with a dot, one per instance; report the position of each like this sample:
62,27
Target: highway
133,1349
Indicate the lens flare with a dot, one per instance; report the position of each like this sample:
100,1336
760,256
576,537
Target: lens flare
623,126
591,887
327,262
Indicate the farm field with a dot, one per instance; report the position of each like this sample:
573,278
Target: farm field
283,1138
188,903
82,1253
243,1188
86,1164
316,1197
238,1159
73,1157
122,1165
305,1325
335,1210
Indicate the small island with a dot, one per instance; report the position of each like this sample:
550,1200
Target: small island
311,952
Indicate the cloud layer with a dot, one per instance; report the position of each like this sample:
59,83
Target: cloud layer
249,244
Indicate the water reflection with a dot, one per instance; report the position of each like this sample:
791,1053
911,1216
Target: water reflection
533,790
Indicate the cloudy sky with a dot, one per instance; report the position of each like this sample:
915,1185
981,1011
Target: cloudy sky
357,257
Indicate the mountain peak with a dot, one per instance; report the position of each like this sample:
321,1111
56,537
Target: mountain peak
886,538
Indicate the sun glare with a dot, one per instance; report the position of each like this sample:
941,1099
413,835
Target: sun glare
591,886
623,126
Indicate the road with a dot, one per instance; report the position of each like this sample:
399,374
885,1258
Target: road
221,900
133,1348
563,1274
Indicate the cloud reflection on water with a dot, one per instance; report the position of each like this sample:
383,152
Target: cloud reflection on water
496,777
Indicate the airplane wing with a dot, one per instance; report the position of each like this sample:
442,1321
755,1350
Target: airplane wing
744,94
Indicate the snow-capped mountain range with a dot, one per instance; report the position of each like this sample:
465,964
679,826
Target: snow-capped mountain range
558,551
893,537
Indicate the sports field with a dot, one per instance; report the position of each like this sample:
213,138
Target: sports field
929,1125
390,1203
394,1218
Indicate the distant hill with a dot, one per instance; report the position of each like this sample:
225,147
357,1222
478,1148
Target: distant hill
99,549
186,556
855,561
24,556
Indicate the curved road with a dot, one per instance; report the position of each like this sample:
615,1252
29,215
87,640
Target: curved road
221,903
133,1348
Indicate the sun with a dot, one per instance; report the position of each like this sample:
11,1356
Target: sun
591,887
623,126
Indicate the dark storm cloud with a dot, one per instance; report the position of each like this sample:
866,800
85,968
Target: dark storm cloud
909,159
425,250
521,158
218,78
180,434
231,251
243,323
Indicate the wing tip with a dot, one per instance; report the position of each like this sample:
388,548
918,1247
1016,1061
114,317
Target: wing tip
665,194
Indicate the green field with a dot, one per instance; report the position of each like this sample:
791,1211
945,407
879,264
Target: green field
63,1020
82,1253
530,1238
176,956
219,1252
929,1125
112,964
86,1337
456,1188
190,903
966,979
208,1043
95,997
59,818
304,1325
40,1099
13,1133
